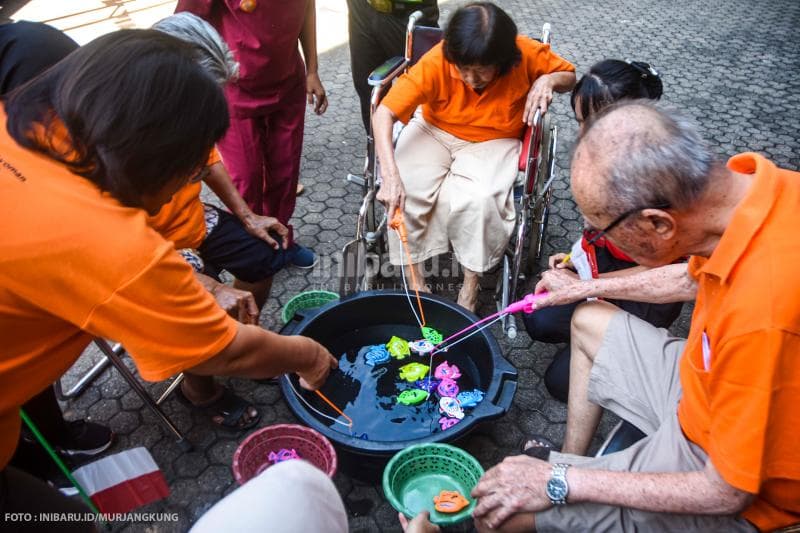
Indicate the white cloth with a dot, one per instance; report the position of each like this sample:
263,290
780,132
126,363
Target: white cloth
289,497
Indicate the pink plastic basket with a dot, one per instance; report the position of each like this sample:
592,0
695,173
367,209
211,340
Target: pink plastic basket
252,456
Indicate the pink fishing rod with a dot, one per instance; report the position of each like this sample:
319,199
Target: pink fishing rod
526,305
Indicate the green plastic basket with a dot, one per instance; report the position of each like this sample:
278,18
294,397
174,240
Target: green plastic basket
306,300
418,473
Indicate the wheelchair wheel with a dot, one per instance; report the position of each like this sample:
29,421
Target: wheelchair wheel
541,200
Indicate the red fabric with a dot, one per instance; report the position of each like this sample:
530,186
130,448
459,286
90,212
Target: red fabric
132,493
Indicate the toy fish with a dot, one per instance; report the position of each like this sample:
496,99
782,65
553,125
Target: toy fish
432,335
283,455
413,371
451,407
412,397
447,387
421,347
428,385
470,398
449,501
377,355
445,370
447,423
398,348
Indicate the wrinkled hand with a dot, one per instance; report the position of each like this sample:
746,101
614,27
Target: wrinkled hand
239,304
516,485
557,261
420,523
539,97
314,377
315,93
261,226
563,287
392,194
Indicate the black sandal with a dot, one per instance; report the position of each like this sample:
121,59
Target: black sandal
540,449
229,406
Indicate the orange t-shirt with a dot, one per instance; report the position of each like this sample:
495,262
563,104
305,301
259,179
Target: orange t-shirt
453,106
75,264
182,219
741,392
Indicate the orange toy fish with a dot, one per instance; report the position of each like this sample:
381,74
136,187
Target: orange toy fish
449,501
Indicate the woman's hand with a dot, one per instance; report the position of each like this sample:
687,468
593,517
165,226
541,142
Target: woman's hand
392,194
322,363
261,226
557,261
316,93
539,97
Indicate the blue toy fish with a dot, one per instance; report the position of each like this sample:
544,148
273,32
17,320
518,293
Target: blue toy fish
413,371
377,355
412,397
470,398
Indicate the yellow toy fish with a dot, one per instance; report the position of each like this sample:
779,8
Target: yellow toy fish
413,371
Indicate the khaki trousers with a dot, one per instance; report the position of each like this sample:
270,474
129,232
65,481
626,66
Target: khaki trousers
458,193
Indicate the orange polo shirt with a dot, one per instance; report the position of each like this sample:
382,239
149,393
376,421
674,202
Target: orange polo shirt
75,264
182,219
741,393
453,106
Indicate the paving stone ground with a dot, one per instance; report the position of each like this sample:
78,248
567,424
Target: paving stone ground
734,66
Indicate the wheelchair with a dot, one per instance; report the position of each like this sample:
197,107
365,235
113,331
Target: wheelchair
532,190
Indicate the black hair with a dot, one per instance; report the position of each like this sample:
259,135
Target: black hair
612,80
481,33
138,110
28,49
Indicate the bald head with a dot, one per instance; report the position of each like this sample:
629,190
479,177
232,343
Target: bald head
639,154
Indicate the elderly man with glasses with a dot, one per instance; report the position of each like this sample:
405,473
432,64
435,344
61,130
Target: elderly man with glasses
719,408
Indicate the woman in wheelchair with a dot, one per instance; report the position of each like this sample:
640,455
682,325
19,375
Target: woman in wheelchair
606,82
453,170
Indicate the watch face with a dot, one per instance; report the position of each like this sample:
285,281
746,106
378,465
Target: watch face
556,489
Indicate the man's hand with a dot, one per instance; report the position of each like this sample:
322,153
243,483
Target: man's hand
539,97
563,287
420,523
516,485
315,93
315,377
392,194
239,304
261,226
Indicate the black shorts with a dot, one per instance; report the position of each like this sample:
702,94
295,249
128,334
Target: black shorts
229,247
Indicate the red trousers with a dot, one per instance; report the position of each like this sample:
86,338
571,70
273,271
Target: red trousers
262,155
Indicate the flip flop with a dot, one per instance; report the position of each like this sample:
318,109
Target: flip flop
536,446
229,406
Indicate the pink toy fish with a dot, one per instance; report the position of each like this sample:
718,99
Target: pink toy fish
447,423
446,370
283,455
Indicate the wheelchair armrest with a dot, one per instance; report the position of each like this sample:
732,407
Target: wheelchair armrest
390,69
526,146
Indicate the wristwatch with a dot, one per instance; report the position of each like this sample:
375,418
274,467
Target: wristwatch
557,488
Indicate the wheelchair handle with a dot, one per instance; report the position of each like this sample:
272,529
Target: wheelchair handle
412,21
546,33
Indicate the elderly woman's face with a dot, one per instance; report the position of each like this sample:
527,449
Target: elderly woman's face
477,76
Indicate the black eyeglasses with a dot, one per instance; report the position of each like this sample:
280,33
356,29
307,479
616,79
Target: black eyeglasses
622,217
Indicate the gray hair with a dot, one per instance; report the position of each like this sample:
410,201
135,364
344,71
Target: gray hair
213,54
659,157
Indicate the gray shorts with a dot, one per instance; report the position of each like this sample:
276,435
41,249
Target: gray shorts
635,375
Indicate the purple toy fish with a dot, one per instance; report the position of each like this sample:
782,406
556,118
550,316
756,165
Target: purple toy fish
445,370
447,387
447,423
428,385
283,455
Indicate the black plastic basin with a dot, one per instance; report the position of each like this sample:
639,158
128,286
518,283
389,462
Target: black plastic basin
372,317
